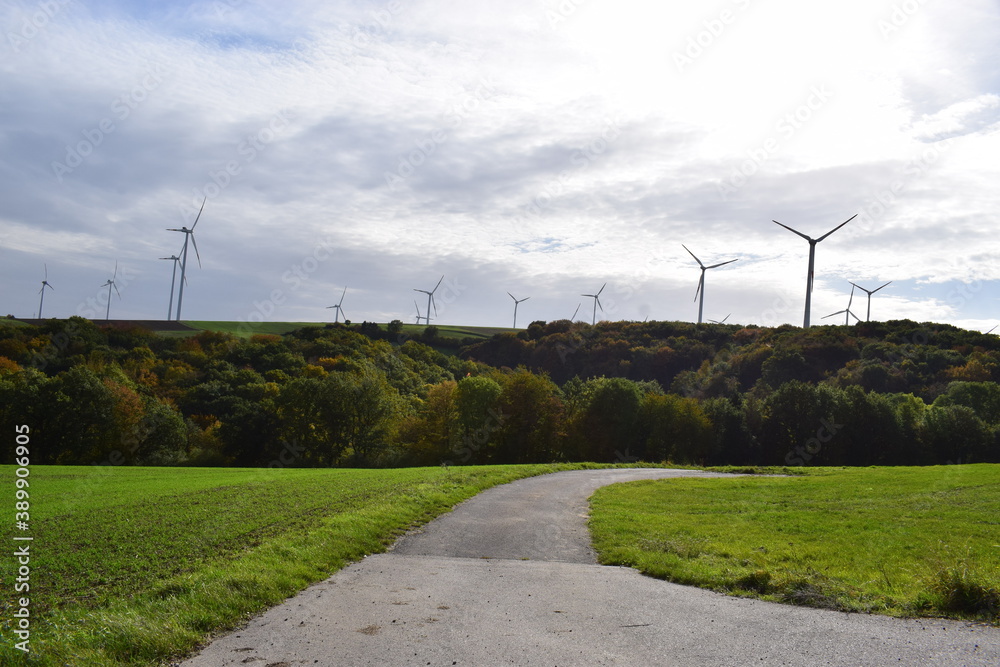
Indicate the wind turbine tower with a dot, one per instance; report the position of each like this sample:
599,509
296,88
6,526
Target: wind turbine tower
109,285
597,302
700,292
188,236
45,283
430,300
173,279
812,261
848,313
868,316
338,307
516,301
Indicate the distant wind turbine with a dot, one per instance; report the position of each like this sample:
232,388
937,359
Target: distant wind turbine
870,292
188,236
597,302
173,279
45,283
812,262
722,321
338,307
418,310
516,301
700,292
848,314
109,285
430,300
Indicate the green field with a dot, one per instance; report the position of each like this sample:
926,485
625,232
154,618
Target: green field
900,541
135,565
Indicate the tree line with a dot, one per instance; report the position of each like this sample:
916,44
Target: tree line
897,393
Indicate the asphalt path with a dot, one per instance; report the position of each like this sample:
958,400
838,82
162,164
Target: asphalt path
509,578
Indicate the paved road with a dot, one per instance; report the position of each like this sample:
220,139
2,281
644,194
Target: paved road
509,578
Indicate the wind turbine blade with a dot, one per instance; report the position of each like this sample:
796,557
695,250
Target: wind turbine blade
436,287
343,294
116,290
434,303
860,288
195,244
839,312
722,263
575,312
198,217
693,255
524,299
511,296
601,290
115,274
46,272
851,300
598,300
701,283
878,288
794,231
341,311
992,328
836,228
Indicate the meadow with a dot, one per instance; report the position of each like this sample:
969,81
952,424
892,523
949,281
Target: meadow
133,566
903,541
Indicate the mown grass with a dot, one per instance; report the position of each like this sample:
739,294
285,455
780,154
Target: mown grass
133,566
898,541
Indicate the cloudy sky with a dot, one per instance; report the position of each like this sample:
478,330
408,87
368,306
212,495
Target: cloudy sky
537,147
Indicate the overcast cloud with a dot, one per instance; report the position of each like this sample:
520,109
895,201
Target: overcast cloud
541,148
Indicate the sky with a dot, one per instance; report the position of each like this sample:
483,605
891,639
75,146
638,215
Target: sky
539,148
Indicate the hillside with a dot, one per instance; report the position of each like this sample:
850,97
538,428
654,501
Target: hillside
368,395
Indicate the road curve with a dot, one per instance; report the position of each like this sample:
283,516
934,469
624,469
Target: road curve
509,578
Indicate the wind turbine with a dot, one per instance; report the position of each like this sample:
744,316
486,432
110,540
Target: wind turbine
701,283
722,321
430,300
870,292
597,302
418,311
45,283
109,285
188,236
848,314
173,279
812,261
516,301
339,309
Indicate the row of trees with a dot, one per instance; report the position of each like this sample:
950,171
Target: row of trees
331,396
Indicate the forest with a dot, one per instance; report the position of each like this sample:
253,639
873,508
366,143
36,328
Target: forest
875,393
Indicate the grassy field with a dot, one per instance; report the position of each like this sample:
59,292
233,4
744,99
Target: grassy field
135,565
899,541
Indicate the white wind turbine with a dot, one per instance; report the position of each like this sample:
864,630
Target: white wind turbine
722,321
430,300
188,235
419,316
597,302
109,285
45,283
870,292
173,279
812,262
848,313
700,292
338,307
516,301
